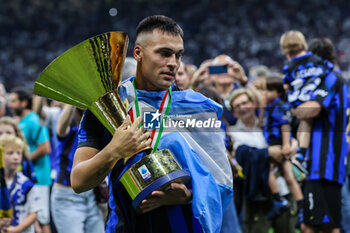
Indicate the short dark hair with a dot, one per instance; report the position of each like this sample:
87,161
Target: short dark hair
323,47
274,82
24,94
161,22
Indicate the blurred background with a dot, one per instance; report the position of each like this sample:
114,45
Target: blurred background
33,33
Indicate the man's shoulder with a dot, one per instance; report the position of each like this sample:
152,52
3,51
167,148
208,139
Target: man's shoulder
31,119
193,98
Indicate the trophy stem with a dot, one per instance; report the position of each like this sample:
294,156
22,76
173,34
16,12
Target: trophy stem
113,108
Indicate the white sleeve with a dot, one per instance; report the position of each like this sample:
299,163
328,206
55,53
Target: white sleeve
33,200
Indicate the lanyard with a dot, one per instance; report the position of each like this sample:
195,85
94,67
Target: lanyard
163,109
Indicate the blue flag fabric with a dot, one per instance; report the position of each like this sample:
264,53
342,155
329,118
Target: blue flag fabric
209,199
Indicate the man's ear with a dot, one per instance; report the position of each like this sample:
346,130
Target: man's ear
138,53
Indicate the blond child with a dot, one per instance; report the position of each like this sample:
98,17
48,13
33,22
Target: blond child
23,196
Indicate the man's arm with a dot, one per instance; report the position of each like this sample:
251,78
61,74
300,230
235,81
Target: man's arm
38,104
43,149
64,120
29,220
91,166
307,110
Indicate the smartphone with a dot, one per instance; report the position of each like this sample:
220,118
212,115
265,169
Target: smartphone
222,69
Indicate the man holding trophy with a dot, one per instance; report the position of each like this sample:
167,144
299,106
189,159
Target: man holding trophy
195,185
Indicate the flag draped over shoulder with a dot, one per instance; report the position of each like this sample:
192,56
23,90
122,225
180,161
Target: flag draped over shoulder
200,151
5,204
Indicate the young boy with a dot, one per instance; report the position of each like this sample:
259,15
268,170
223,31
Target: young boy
22,195
303,75
277,132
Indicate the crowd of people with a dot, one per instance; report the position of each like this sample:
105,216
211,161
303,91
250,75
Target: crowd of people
34,34
278,161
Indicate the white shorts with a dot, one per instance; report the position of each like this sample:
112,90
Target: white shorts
44,203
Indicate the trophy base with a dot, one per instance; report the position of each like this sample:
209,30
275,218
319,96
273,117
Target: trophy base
153,172
162,183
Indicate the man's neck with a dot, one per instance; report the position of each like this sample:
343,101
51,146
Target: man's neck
140,84
224,90
25,113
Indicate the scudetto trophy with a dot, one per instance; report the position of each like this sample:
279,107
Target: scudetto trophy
88,76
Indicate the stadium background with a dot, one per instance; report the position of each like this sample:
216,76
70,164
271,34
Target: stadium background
33,33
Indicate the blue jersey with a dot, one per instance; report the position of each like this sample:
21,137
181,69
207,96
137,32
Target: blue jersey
304,75
66,148
276,114
24,199
326,155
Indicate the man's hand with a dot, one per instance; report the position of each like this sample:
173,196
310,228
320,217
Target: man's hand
178,194
129,140
5,222
11,229
238,72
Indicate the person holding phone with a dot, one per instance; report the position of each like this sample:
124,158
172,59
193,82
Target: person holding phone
225,71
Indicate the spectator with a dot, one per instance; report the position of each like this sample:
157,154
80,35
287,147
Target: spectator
323,184
72,212
277,132
23,195
181,78
38,140
253,153
9,126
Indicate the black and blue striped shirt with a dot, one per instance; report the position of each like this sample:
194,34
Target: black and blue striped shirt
326,155
304,75
276,114
66,148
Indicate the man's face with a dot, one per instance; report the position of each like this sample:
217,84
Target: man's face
15,105
159,57
243,107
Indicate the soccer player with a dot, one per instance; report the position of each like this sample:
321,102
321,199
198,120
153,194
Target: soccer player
158,49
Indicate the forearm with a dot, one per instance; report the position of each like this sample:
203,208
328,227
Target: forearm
88,173
28,221
43,149
38,103
65,120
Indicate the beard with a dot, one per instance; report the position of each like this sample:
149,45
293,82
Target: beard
17,111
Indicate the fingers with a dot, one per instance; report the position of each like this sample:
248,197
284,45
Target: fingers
144,145
126,123
136,123
175,186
